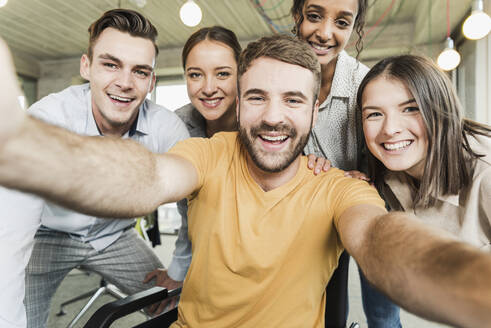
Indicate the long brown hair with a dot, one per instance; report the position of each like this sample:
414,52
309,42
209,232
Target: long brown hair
297,14
450,160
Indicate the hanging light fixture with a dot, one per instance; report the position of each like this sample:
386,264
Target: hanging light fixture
3,3
478,24
190,13
449,58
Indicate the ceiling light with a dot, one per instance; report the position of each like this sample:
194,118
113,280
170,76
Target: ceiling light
449,58
478,24
3,3
190,13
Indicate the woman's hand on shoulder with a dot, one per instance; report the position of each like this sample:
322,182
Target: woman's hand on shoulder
318,164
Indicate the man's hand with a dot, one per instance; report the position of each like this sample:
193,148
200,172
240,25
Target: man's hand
162,279
11,114
318,164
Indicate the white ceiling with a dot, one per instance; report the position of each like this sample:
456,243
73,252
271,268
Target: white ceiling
47,30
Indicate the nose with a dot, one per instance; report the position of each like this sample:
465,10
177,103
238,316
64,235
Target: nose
273,113
210,87
125,80
325,30
392,125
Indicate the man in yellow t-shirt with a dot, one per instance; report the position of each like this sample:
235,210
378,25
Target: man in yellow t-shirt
266,233
261,258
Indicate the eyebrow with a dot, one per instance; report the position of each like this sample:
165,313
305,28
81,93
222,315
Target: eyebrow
296,94
110,57
346,13
119,62
193,68
316,7
216,68
223,67
254,91
409,101
321,9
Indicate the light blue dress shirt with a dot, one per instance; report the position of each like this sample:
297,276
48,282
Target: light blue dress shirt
156,128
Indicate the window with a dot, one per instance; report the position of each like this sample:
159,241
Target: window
172,96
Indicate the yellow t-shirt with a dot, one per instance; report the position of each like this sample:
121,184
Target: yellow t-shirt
260,259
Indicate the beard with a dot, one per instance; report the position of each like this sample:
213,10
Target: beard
273,162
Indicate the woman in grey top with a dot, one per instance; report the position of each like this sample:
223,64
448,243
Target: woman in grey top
209,59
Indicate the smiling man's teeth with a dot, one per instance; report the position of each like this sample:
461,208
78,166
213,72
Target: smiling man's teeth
120,98
274,138
397,145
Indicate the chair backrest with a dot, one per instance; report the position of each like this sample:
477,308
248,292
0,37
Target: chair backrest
335,317
110,312
337,295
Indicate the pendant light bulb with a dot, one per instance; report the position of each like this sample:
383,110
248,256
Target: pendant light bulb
449,58
478,24
3,3
190,13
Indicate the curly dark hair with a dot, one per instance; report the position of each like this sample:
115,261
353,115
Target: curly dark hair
297,13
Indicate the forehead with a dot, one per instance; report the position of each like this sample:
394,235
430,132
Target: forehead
210,53
124,46
387,90
333,5
276,77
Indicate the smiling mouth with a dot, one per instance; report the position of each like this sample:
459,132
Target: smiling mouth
121,99
277,139
213,102
397,145
320,49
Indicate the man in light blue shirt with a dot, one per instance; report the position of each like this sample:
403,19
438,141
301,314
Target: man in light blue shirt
119,66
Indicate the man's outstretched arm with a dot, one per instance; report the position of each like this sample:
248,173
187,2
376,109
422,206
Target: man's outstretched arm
423,269
98,176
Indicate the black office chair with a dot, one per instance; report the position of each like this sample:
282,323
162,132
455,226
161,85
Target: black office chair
110,312
336,313
335,316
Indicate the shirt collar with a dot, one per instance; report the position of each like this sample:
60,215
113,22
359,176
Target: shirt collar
341,73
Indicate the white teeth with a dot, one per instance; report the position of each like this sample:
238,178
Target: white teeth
275,138
397,145
211,101
120,98
318,47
